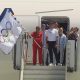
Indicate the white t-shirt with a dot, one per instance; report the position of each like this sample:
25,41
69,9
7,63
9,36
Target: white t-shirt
52,34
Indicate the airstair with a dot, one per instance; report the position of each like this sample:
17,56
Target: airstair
31,72
37,72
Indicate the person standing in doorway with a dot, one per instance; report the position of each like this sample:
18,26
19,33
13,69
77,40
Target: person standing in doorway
61,45
52,34
44,45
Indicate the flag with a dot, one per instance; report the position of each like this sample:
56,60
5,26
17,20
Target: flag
10,29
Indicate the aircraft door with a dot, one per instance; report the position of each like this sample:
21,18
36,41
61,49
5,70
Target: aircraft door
62,22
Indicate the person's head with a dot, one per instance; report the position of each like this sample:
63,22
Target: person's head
53,25
72,29
56,25
43,26
60,31
37,28
76,29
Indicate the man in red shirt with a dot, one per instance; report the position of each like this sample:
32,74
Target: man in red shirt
37,45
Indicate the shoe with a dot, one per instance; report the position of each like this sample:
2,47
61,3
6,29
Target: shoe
34,64
59,64
50,64
40,64
54,64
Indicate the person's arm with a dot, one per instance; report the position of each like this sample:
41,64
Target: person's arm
64,41
28,34
57,39
46,33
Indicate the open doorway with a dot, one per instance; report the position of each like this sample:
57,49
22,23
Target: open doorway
63,21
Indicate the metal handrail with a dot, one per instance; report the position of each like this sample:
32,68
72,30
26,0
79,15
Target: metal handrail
22,62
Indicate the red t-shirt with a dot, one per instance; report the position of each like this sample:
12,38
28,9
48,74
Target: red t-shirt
37,37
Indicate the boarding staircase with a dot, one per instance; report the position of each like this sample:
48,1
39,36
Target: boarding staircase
31,72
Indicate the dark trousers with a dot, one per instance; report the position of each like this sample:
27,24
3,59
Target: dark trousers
58,57
52,48
64,61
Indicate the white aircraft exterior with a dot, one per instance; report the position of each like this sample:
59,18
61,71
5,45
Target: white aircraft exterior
24,9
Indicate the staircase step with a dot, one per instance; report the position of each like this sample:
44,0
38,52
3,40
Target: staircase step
43,72
54,77
44,67
42,79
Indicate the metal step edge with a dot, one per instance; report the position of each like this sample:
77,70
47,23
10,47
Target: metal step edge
44,67
42,79
45,76
38,72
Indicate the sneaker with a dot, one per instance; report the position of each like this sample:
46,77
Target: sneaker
54,64
59,64
34,64
50,64
40,64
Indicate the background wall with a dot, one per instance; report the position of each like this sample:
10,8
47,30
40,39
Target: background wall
29,7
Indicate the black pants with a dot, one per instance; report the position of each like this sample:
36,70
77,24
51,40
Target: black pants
64,61
52,48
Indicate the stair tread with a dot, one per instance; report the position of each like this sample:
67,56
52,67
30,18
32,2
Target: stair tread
41,79
38,72
44,67
45,76
32,72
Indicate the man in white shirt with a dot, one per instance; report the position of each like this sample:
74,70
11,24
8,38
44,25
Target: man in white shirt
52,34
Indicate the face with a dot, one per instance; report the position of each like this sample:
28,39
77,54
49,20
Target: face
72,29
37,29
56,25
60,31
52,26
43,27
76,29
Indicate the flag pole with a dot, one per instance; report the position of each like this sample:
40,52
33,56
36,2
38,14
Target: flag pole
34,40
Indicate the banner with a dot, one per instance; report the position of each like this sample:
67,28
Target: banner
10,29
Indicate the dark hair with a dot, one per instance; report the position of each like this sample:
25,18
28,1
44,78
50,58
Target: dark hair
77,28
43,25
53,22
37,27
